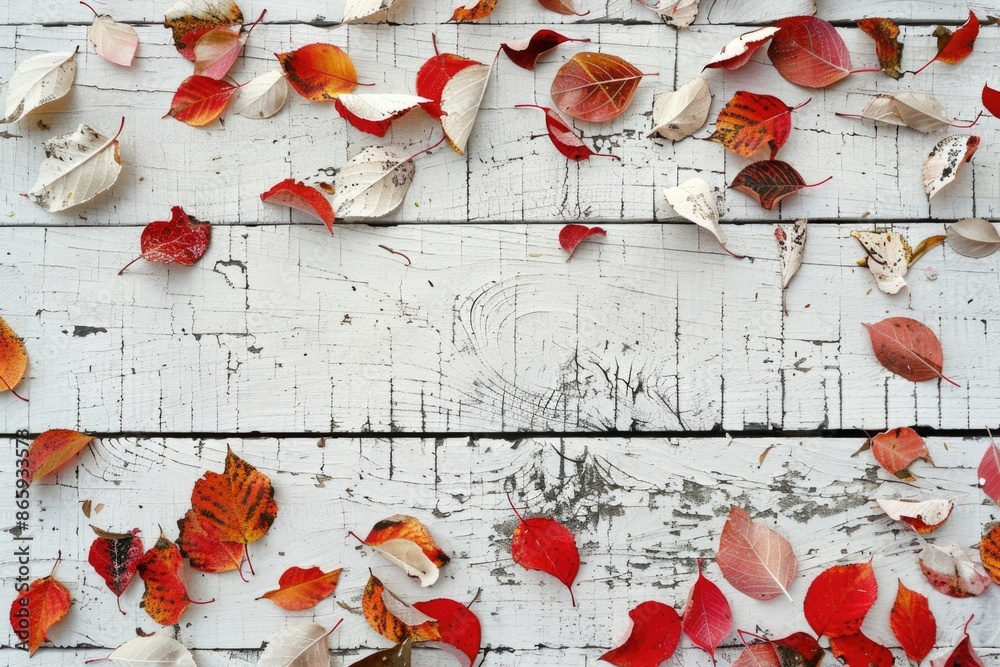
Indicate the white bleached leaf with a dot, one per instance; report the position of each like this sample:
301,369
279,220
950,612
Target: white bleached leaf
946,160
373,183
921,515
888,258
973,237
694,201
734,49
359,9
921,111
263,96
300,645
791,244
37,81
951,570
115,42
154,651
460,102
882,109
77,167
682,112
678,13
379,106
410,558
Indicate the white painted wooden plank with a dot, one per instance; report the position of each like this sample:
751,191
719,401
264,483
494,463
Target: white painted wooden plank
642,509
511,172
284,328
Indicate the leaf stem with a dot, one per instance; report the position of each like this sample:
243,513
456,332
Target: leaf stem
949,380
801,105
849,115
928,64
129,264
427,150
965,127
868,70
396,252
733,253
201,601
11,390
246,551
95,14
119,599
828,178
355,536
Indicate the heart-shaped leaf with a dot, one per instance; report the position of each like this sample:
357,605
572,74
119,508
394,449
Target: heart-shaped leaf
115,556
178,240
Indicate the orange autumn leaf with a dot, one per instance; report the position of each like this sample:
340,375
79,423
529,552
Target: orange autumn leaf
165,598
199,100
394,619
750,121
204,550
896,449
989,551
45,602
406,542
53,449
473,10
888,48
303,588
319,72
595,86
13,359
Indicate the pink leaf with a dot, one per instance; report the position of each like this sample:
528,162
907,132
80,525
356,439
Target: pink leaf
303,197
571,236
758,655
707,619
753,558
989,472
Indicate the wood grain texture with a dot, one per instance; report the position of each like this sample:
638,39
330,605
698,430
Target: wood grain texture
642,508
287,329
511,172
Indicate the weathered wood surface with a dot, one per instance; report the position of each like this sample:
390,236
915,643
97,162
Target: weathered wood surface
643,510
511,171
287,329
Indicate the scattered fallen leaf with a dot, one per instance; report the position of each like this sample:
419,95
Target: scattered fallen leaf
303,588
839,599
655,634
13,359
434,75
396,656
694,201
790,251
564,138
991,100
946,160
86,507
305,198
762,654
973,237
545,544
920,111
459,628
989,471
77,167
204,550
809,51
595,86
174,241
34,610
754,559
373,183
858,650
736,53
407,543
374,113
963,655
52,450
923,516
680,113
570,236
38,80
473,11
799,650
355,10
165,598
263,96
896,449
200,100
190,19
889,258
299,645
989,551
152,651
460,100
678,13
907,348
115,556
750,121
319,72
394,619
958,46
217,50
707,618
951,570
770,181
525,52
564,7
888,48
913,623
115,42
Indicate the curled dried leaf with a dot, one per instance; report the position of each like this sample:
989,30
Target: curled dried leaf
680,113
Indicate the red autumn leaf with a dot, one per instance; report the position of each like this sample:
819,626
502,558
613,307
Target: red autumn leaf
707,619
923,516
407,543
236,506
13,359
809,52
44,603
754,559
989,552
189,21
546,545
204,550
564,7
749,121
839,599
473,11
595,86
563,137
895,450
770,181
461,633
989,472
907,348
799,650
991,100
888,48
963,655
199,100
398,622
306,198
217,50
857,650
763,654
374,114
165,598
571,236
115,556
525,52
53,449
303,588
959,46
434,75
738,52
655,634
913,623
177,240
319,72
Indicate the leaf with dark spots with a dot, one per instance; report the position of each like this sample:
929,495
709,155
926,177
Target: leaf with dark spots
115,557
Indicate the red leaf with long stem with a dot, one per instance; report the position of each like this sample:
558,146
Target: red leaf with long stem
115,557
656,632
959,46
913,623
546,545
707,618
749,121
839,599
174,241
525,52
770,181
907,348
563,137
809,51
